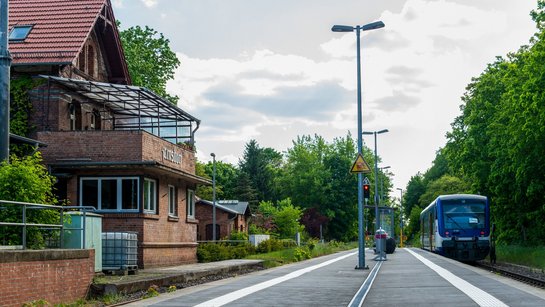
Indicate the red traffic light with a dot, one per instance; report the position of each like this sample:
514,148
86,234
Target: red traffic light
366,191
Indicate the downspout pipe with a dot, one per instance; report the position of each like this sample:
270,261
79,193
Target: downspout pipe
5,64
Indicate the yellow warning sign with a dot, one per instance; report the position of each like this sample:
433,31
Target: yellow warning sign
360,166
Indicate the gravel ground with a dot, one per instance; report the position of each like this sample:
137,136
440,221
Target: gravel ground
519,269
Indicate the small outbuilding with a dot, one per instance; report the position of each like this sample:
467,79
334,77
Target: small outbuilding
231,216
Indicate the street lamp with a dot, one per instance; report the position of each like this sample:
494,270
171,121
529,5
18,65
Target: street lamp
213,197
401,216
367,27
377,218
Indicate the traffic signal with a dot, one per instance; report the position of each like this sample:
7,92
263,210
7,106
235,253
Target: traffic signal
366,190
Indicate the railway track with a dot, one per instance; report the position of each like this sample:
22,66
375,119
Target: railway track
516,273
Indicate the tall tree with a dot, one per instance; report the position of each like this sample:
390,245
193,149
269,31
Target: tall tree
150,60
259,165
411,197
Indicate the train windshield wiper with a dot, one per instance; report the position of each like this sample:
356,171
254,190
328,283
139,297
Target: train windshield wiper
454,221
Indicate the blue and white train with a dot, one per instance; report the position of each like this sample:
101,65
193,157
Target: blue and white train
457,226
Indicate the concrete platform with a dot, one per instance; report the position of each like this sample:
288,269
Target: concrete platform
177,275
405,280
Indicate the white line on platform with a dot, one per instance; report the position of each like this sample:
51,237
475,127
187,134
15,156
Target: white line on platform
227,298
360,296
479,296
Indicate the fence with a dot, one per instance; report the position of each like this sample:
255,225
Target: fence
24,223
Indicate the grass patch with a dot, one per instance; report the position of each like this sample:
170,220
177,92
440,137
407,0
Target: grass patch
522,255
290,255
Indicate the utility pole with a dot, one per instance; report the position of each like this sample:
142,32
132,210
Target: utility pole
5,63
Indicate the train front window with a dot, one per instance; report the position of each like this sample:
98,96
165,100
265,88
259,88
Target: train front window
464,215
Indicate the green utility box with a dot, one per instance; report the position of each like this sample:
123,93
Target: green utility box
75,233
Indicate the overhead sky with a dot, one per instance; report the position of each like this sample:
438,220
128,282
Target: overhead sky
273,70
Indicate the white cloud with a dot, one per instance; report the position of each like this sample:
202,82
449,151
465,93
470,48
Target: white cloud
413,73
150,3
117,3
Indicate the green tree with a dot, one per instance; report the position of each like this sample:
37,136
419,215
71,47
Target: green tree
26,180
244,190
443,186
150,60
316,175
494,143
226,180
415,189
285,217
260,165
412,231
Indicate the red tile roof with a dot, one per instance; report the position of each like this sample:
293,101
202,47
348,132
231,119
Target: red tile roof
60,28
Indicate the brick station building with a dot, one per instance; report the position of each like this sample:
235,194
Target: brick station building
231,215
119,148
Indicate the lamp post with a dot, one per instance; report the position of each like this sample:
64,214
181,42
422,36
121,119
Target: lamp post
213,197
358,29
401,216
377,217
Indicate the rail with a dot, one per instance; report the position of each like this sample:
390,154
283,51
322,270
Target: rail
60,226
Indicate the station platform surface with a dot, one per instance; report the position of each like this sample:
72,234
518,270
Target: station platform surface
414,277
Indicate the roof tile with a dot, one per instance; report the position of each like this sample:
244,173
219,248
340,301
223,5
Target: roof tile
60,28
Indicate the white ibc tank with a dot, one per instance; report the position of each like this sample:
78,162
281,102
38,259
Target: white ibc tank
119,250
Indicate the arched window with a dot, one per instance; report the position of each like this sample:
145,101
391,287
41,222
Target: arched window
74,115
90,61
96,121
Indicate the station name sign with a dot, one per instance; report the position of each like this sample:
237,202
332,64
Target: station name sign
171,155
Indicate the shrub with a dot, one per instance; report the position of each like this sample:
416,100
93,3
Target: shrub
301,253
334,244
238,236
312,243
208,252
270,245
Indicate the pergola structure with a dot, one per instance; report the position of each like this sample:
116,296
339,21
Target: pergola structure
133,108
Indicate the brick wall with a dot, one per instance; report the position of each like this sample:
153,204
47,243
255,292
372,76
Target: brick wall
112,146
203,212
163,240
56,276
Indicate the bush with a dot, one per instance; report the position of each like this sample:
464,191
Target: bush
238,236
312,243
334,244
270,245
301,253
208,252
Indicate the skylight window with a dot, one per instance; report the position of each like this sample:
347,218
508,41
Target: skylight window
19,33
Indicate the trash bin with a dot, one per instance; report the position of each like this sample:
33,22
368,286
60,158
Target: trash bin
380,237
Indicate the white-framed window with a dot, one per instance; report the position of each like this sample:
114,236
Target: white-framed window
172,203
150,195
110,193
190,203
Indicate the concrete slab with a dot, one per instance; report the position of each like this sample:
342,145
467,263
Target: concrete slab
405,280
165,277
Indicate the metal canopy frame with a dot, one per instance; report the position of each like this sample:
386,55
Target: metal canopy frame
135,108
